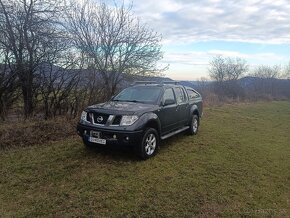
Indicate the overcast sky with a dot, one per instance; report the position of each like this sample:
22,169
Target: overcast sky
195,31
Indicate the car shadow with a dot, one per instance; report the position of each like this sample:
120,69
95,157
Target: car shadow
126,153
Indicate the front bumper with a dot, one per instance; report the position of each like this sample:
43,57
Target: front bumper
112,136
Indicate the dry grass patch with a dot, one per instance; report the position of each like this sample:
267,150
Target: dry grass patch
35,132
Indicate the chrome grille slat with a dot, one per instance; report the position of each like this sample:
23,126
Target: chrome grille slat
108,120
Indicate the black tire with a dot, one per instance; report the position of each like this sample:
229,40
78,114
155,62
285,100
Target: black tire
148,147
194,125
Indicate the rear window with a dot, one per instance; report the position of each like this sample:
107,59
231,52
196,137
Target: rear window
192,94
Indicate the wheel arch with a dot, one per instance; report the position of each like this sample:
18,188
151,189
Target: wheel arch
152,121
153,124
194,111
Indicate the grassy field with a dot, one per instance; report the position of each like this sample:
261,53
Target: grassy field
238,165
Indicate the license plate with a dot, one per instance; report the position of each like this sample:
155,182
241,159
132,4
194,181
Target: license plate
97,140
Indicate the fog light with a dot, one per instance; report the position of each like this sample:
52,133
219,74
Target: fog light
127,138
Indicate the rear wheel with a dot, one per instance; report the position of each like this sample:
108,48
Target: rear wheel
149,144
194,125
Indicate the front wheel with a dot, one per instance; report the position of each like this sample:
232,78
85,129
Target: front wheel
194,125
149,144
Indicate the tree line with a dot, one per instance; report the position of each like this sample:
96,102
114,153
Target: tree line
57,55
232,79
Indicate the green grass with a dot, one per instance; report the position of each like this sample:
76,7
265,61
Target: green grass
238,165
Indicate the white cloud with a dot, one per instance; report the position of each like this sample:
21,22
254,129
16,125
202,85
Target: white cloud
260,21
202,58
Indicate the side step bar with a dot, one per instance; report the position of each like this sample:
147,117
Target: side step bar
174,133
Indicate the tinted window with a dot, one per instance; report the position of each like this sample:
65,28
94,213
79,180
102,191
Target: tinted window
192,94
168,95
144,94
180,95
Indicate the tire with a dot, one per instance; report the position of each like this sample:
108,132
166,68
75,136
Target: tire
194,125
149,144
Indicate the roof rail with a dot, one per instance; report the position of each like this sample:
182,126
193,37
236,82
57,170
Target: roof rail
171,82
155,82
145,82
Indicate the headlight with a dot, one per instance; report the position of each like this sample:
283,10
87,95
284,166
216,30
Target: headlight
84,116
128,120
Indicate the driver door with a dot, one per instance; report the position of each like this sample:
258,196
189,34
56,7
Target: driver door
168,113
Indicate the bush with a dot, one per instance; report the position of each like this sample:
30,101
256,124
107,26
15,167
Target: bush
32,132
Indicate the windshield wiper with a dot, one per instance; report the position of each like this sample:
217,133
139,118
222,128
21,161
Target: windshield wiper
127,100
135,101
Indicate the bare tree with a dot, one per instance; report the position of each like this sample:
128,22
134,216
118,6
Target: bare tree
8,85
56,83
218,69
114,41
236,68
223,69
226,72
268,72
286,73
267,83
29,33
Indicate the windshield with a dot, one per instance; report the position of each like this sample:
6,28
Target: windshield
143,94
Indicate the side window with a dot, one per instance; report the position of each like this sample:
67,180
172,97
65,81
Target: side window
180,95
168,95
192,94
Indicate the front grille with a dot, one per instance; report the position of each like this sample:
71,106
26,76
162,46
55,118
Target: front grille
97,118
117,120
89,118
101,118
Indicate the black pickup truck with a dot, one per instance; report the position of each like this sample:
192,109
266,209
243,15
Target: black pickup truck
141,116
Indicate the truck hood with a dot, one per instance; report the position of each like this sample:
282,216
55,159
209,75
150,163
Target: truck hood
122,108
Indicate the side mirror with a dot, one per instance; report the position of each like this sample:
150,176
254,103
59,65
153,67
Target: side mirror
169,102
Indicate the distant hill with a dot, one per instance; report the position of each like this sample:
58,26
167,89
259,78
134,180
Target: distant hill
246,82
250,81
